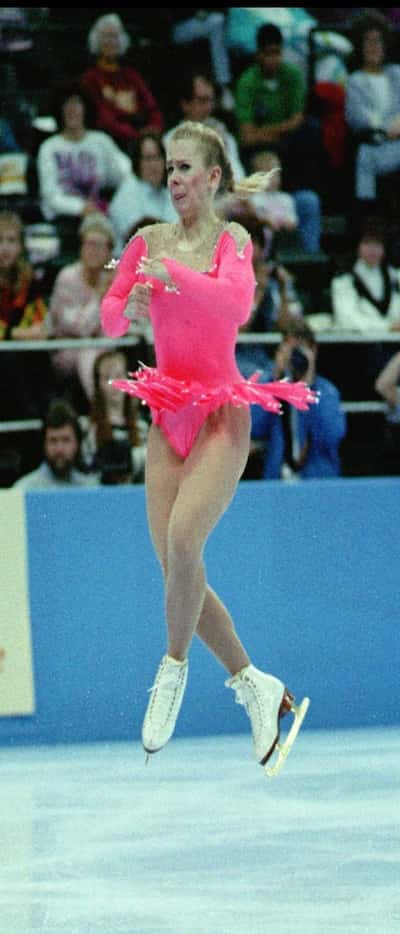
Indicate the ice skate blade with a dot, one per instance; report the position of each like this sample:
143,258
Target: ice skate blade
284,748
149,753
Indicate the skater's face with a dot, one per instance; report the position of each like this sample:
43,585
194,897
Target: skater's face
191,184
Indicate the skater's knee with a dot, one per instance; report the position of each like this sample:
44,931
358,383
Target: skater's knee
184,549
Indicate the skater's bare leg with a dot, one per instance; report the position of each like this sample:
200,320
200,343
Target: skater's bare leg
216,629
185,499
174,509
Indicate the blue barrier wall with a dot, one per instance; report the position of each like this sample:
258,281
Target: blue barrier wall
310,572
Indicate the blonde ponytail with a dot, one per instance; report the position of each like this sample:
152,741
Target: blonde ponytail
258,181
214,151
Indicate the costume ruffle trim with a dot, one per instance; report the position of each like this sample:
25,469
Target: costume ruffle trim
162,392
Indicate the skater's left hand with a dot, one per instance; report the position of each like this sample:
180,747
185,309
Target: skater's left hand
155,268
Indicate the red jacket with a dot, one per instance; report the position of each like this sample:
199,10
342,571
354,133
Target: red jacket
124,104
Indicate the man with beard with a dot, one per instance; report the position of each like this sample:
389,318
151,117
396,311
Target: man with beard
61,447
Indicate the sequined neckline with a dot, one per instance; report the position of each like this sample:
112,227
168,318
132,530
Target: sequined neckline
200,259
219,229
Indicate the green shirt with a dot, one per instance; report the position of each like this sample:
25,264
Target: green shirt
264,102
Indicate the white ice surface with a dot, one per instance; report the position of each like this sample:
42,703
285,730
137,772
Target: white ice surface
199,841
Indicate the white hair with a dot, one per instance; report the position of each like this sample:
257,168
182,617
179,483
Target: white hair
109,19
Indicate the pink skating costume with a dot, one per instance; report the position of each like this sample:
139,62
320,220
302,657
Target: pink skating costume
195,325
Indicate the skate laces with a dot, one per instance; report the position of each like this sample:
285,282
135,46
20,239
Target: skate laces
168,682
248,695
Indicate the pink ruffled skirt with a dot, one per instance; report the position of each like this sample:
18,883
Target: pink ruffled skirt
181,406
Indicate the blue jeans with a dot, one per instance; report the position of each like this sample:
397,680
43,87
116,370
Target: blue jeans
308,206
372,161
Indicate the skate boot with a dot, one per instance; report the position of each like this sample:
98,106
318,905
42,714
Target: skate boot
267,700
164,704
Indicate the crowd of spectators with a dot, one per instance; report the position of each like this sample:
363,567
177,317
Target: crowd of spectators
92,170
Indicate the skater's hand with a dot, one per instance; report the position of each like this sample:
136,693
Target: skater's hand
138,305
155,268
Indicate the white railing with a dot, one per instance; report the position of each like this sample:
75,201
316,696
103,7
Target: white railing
325,337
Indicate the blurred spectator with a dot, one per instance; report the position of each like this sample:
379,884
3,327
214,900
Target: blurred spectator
144,192
114,422
15,33
23,311
114,462
367,297
197,101
301,445
299,211
197,24
276,305
78,168
372,106
277,302
61,451
75,308
329,93
13,163
387,385
124,103
23,308
274,206
271,114
296,23
8,142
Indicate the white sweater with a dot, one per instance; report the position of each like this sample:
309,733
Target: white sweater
353,312
71,172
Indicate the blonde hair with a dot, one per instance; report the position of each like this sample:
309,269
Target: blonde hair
214,153
109,19
97,221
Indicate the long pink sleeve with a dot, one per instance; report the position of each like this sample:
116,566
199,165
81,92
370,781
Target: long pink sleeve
114,302
229,289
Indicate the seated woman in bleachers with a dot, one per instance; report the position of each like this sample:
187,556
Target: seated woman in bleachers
114,422
367,297
372,106
78,168
123,101
75,308
143,192
23,312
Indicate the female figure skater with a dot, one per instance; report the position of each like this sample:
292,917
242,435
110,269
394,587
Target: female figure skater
195,280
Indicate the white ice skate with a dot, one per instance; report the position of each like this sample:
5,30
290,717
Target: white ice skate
164,704
267,700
